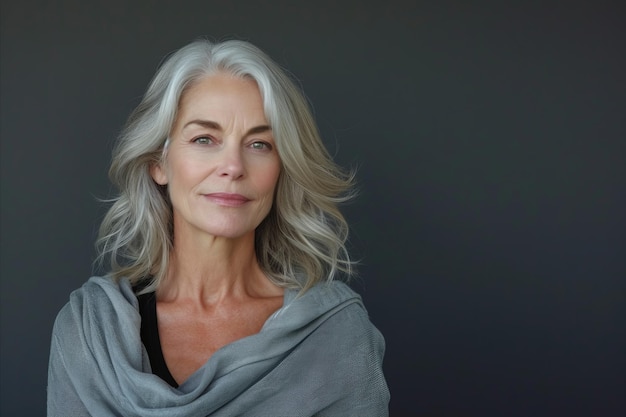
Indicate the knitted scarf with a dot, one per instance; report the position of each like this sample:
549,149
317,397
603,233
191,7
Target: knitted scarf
318,355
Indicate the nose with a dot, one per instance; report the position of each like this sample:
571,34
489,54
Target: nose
231,162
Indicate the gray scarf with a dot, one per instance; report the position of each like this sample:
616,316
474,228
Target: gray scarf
318,355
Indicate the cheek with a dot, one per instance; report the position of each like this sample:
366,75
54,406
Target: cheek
264,173
270,179
185,173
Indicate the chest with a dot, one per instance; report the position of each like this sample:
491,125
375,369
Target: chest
190,337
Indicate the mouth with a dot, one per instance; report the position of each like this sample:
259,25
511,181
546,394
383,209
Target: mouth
227,199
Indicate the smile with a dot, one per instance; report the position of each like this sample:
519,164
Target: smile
227,200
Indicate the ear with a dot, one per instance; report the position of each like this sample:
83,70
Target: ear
158,174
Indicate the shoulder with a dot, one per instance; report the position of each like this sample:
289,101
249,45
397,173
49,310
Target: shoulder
104,290
97,298
348,352
343,316
354,318
325,295
104,286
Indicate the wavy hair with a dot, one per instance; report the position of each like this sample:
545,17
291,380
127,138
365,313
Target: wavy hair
302,239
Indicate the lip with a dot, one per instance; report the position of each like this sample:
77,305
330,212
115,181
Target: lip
227,199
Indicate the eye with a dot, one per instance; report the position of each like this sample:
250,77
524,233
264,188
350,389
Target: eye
203,140
261,146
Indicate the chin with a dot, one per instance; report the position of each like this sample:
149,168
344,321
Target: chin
229,231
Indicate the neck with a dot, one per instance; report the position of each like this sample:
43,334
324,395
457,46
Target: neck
209,269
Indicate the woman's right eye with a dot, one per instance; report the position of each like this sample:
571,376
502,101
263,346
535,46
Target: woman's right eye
203,140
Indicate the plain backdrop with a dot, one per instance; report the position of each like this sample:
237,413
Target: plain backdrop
490,143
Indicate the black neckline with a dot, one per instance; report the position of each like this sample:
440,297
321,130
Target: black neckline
150,337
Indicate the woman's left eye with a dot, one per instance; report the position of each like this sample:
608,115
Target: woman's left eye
260,146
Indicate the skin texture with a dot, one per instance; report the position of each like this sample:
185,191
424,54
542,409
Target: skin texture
221,168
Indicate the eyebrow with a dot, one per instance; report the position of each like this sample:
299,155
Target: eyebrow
216,126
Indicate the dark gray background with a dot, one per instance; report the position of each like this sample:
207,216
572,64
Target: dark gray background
490,141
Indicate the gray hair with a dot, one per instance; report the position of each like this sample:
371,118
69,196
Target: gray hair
300,242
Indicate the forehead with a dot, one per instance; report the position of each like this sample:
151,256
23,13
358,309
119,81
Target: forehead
223,100
222,90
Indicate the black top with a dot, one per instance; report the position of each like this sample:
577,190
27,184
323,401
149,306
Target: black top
150,337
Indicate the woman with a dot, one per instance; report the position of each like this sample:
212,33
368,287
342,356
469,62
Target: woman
223,243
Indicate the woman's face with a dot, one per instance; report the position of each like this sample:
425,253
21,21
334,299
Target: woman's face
221,166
